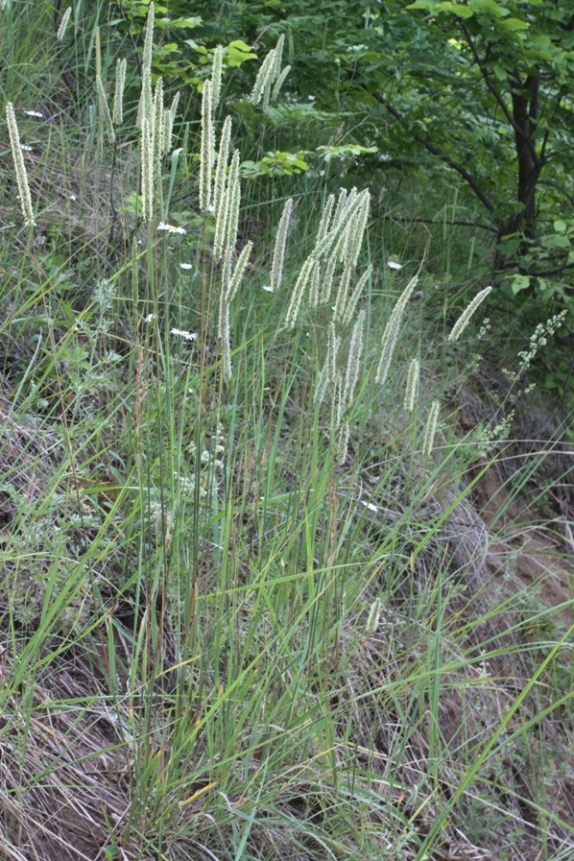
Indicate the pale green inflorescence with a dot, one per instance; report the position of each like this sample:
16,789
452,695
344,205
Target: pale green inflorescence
157,133
146,161
216,75
412,385
105,111
226,296
169,116
148,39
207,147
118,106
239,271
430,428
351,302
270,78
63,24
144,107
329,372
19,167
234,191
279,83
280,245
327,275
221,195
464,318
338,240
221,170
354,360
391,332
298,290
374,616
337,406
315,288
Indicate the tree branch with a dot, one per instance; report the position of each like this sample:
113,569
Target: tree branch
498,95
487,227
468,178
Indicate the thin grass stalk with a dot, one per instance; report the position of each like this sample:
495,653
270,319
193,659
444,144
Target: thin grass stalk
329,372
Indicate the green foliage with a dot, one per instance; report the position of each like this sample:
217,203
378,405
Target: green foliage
483,87
256,612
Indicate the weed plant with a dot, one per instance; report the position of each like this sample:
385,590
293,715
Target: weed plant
248,609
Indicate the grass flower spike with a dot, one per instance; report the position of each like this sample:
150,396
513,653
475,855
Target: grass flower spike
19,167
280,245
105,111
63,24
298,290
118,106
412,385
207,147
146,161
464,318
391,332
216,75
354,360
430,428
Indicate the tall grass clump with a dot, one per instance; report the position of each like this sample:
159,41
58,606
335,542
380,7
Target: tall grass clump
248,608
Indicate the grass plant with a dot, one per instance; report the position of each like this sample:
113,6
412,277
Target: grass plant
248,608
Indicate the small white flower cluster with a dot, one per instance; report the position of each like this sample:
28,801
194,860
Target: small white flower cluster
211,464
187,336
539,338
171,229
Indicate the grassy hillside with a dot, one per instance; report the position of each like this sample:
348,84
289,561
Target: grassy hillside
287,555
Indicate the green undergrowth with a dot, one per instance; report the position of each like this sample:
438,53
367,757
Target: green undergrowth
250,608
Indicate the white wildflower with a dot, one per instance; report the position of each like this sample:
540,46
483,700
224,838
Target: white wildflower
171,229
188,336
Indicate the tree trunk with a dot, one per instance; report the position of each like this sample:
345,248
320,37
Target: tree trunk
525,115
